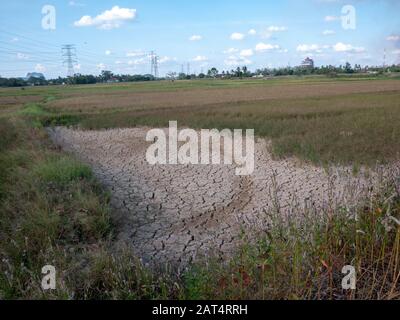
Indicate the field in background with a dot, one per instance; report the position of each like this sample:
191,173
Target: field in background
347,121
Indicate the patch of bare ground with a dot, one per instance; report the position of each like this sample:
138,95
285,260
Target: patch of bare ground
179,213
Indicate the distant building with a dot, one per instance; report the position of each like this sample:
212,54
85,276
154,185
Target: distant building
308,63
35,75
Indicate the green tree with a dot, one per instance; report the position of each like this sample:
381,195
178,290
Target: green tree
213,72
348,68
106,75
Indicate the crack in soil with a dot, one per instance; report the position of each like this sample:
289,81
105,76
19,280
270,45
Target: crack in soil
180,213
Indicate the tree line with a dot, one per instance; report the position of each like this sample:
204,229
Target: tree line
243,72
212,73
104,77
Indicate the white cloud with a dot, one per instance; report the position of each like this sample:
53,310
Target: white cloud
137,61
107,53
342,47
101,66
109,19
332,18
166,59
313,55
252,32
276,29
261,47
396,51
237,36
328,32
393,38
137,53
246,53
195,37
237,61
77,67
15,39
85,21
76,4
200,59
266,34
40,68
231,50
308,48
22,56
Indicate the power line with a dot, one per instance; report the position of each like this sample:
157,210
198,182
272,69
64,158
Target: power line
69,56
36,43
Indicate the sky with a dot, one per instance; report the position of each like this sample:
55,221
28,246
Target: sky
118,35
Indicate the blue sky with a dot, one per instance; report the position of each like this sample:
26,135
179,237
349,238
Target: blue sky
118,35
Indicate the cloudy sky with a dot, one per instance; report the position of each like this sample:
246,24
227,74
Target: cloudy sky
119,35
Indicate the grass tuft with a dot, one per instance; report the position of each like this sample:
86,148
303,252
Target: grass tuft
62,170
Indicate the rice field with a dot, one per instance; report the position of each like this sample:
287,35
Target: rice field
348,122
64,200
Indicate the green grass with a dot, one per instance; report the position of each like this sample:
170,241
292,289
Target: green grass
8,134
40,117
52,211
33,110
62,170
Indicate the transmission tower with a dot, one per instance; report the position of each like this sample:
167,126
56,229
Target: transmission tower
69,58
188,68
384,58
154,64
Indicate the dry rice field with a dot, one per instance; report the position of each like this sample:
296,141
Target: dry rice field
171,96
77,191
176,214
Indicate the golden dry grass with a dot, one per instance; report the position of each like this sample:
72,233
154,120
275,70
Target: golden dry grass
90,102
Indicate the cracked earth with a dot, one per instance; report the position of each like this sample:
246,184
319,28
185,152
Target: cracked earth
178,213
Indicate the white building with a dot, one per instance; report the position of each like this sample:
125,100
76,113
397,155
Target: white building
308,63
